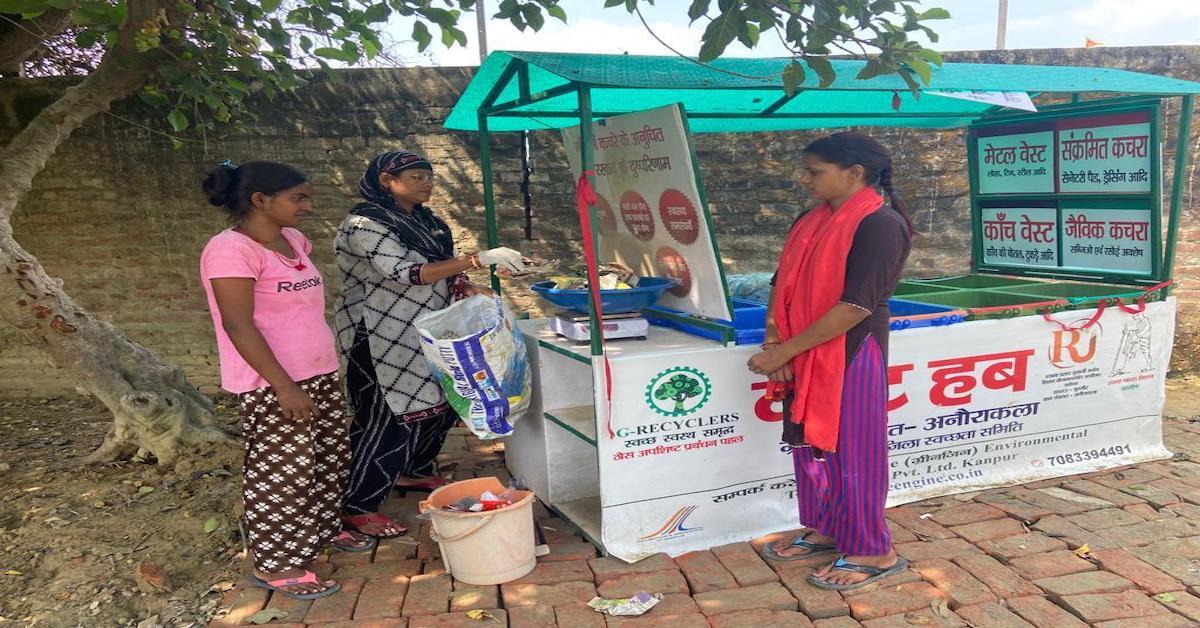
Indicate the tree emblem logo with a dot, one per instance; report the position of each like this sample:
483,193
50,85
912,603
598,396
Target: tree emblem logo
678,391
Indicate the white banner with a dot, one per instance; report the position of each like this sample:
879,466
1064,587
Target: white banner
697,459
649,211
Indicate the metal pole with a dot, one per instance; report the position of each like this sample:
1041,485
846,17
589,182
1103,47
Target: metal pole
1183,150
526,171
481,26
585,158
489,201
1002,25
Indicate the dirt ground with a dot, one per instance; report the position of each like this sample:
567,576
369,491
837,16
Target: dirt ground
106,545
128,545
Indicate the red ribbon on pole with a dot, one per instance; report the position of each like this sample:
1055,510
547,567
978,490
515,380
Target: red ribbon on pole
585,197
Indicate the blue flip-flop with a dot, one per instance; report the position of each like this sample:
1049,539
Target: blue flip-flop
814,549
308,578
874,574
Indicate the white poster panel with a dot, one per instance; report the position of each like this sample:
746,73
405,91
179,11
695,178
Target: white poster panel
1109,240
1016,162
1020,236
1105,154
649,208
697,460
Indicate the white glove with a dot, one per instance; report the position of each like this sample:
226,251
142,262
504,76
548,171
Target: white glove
503,257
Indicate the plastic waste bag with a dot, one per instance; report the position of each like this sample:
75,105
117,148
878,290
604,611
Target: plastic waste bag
479,356
752,286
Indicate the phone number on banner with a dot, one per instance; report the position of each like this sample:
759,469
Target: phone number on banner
1091,454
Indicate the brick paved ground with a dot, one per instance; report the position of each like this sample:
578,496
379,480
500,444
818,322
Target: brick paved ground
1004,557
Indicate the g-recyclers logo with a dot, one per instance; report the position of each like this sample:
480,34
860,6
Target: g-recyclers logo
678,391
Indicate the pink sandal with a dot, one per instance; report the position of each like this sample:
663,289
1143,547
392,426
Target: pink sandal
347,542
357,521
308,578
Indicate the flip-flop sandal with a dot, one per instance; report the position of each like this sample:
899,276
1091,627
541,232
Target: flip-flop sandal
428,485
308,578
355,522
874,574
814,549
348,543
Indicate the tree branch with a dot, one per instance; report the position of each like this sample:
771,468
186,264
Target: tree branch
121,71
20,38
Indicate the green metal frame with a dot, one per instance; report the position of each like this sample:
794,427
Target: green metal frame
1164,258
1162,254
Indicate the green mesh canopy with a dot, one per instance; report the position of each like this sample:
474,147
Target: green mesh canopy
747,94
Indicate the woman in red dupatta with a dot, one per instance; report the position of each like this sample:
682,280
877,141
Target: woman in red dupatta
826,356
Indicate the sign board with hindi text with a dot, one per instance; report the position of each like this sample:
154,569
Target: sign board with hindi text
1073,191
651,212
971,406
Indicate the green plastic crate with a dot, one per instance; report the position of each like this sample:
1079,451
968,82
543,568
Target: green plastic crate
1085,296
981,304
976,282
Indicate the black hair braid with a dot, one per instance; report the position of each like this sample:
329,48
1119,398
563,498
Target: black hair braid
885,182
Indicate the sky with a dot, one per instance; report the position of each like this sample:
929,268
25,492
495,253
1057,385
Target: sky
1031,24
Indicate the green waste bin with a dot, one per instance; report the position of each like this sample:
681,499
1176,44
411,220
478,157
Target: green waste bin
1085,296
975,282
982,304
907,287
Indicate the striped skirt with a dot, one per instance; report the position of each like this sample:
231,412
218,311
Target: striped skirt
842,495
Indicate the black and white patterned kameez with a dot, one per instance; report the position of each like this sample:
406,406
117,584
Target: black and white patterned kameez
400,413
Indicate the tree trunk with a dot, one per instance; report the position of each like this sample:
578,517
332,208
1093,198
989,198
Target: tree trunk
157,412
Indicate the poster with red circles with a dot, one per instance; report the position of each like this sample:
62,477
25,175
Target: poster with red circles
650,210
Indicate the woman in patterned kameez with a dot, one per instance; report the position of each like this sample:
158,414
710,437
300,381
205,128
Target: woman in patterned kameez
826,357
398,262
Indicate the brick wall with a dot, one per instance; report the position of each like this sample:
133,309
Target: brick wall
118,214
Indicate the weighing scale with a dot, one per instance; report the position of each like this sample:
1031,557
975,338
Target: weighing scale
575,326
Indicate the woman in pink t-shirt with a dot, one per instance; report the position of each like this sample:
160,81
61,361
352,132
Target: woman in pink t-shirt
277,354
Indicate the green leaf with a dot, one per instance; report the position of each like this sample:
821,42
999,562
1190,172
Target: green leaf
613,3
145,490
336,54
557,12
748,34
932,56
533,16
178,120
377,13
793,77
935,13
720,33
922,70
698,9
1165,598
269,6
823,68
211,525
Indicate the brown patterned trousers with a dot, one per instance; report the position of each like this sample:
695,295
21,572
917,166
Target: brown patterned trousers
295,474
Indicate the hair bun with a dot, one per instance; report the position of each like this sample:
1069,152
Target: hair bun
219,185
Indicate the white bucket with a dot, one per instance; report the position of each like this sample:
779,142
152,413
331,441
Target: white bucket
491,547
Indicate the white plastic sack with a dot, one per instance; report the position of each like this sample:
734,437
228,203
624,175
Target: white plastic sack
480,360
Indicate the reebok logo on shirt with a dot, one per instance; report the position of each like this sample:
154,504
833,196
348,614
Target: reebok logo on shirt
297,286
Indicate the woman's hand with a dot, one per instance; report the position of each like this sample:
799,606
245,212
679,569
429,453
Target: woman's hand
770,361
295,403
472,289
782,375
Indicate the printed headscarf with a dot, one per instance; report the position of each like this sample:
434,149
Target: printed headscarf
418,229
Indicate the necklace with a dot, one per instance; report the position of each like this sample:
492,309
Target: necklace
298,264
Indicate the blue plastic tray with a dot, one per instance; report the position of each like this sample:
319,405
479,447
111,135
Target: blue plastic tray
901,310
647,292
749,322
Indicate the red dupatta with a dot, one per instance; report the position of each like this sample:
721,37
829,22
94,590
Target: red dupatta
811,277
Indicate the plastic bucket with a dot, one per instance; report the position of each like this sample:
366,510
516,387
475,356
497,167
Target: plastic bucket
491,547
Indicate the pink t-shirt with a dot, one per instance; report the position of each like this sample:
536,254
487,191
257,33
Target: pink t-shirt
289,307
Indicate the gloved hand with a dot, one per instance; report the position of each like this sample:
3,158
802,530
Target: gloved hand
503,257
